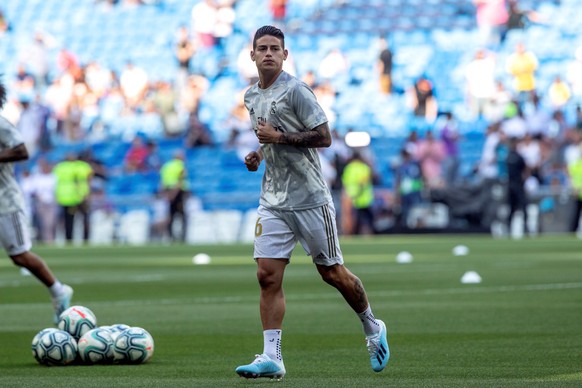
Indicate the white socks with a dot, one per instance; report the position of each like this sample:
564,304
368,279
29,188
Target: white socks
369,322
272,344
56,289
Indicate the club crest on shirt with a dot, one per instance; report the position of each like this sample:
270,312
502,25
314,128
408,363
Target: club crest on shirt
273,108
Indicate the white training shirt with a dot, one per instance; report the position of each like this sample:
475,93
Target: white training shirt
293,178
11,198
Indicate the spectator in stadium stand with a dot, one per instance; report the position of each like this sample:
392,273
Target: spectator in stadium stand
165,100
486,168
15,236
189,99
411,142
134,83
225,18
174,179
480,77
538,118
73,191
491,16
153,161
334,64
573,147
242,138
4,24
32,123
575,174
518,18
197,133
529,148
522,65
514,124
245,66
37,58
67,61
501,98
431,153
43,184
408,185
558,133
517,173
449,134
184,50
204,18
559,93
135,157
385,62
23,83
278,9
574,75
100,171
423,100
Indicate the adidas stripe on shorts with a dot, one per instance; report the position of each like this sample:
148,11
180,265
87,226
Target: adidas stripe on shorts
14,233
278,231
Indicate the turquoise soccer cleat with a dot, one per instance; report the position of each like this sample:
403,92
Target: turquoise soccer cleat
262,366
62,302
378,348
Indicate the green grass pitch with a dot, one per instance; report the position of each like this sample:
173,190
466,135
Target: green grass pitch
521,326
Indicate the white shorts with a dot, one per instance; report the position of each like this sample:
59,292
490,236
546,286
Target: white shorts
277,233
14,233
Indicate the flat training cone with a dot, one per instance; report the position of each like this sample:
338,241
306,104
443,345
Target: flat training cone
471,277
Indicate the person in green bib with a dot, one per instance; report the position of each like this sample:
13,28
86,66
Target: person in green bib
358,181
175,185
575,173
73,193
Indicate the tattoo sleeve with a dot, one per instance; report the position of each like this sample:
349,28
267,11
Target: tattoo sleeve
14,154
318,137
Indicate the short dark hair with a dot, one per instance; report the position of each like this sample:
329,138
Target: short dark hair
2,93
269,30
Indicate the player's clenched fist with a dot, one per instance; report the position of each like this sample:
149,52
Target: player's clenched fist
252,161
267,134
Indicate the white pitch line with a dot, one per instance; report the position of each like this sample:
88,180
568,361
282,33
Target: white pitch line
328,295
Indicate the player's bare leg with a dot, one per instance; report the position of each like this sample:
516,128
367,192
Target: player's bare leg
348,284
61,293
36,266
272,307
352,289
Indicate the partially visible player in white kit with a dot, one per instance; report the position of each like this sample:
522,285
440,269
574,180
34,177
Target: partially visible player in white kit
295,203
14,232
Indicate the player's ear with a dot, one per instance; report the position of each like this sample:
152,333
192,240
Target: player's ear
285,53
253,55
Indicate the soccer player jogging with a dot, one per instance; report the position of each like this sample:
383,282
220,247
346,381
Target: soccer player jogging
14,233
295,203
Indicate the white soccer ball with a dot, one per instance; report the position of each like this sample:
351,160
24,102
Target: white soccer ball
77,320
116,329
53,347
133,346
96,346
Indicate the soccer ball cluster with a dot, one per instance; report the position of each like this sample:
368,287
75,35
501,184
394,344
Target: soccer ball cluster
78,338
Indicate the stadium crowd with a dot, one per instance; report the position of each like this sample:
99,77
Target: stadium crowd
56,99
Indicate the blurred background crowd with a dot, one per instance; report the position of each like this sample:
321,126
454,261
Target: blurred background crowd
453,115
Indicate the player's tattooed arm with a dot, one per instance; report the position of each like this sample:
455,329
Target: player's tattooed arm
319,136
14,154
